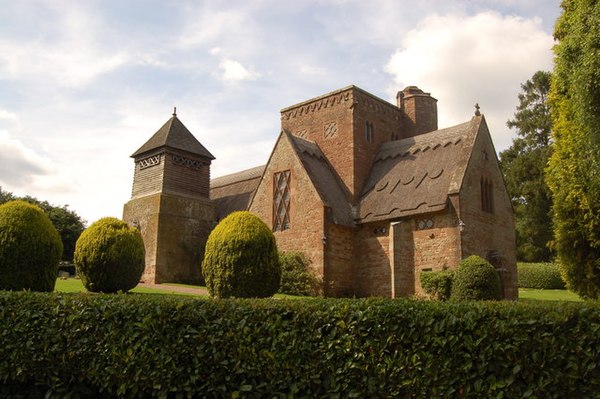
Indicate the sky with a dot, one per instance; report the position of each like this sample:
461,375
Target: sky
83,84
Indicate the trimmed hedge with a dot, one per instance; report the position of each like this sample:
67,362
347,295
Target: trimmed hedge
30,248
109,256
241,258
475,279
540,275
144,346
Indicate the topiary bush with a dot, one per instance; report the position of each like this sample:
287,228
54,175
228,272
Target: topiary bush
30,248
241,258
438,285
297,278
109,256
540,275
475,279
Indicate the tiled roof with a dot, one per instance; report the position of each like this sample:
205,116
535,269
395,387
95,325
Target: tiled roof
174,134
327,184
416,175
233,192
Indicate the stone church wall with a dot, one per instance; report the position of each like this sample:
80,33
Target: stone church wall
374,122
326,120
436,243
489,234
306,208
340,261
373,269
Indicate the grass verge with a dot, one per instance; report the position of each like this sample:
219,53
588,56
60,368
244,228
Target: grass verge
548,295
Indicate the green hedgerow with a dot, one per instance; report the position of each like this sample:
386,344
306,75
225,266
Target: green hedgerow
241,258
30,248
109,256
297,278
540,275
475,279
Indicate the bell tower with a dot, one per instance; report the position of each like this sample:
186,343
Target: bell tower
170,203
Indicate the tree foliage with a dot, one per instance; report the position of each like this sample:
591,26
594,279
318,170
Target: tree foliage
241,258
68,223
574,167
30,248
109,256
523,166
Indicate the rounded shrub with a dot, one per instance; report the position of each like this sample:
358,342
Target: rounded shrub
540,275
297,278
475,279
30,248
109,256
241,258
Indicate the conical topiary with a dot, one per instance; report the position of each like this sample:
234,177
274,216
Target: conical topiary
109,256
241,258
30,248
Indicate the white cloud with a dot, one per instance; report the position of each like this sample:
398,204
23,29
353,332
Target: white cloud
234,71
70,50
466,59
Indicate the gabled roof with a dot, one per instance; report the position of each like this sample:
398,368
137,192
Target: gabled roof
416,175
173,134
233,192
324,179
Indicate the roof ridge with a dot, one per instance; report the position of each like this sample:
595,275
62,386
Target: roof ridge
244,175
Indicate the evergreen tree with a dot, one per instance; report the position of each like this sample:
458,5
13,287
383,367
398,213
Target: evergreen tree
574,168
523,167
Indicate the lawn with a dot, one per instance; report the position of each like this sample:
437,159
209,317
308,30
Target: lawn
548,295
528,294
75,285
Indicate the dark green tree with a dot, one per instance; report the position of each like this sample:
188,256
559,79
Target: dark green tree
523,166
574,168
67,222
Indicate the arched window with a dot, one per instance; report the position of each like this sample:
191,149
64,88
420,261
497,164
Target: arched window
369,132
487,195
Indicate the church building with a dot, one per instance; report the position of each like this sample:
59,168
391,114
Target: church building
373,193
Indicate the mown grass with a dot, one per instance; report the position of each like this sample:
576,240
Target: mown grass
74,285
531,294
528,294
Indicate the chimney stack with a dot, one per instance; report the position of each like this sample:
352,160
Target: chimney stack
420,108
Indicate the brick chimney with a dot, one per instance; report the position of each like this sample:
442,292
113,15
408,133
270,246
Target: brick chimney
420,108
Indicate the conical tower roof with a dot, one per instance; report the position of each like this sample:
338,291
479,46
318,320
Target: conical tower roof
174,134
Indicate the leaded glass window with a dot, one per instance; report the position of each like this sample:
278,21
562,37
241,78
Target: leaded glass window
281,201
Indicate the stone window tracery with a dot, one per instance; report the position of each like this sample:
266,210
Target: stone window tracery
281,201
